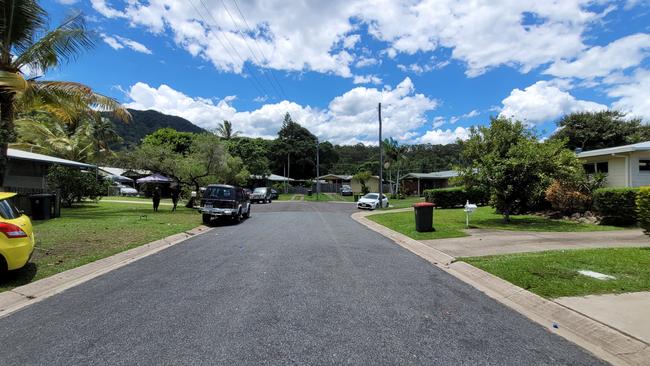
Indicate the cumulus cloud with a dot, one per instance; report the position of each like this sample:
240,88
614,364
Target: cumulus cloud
471,114
633,95
448,136
366,79
318,36
349,118
544,101
117,43
599,61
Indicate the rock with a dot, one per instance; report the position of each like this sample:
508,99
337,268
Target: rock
589,214
576,216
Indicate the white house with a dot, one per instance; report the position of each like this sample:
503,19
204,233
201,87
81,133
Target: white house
625,166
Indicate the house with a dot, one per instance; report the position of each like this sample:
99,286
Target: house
417,183
333,182
27,171
372,184
625,166
268,180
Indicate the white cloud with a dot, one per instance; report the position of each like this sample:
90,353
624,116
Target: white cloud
471,114
599,61
349,118
366,79
633,95
544,101
117,43
299,36
448,136
366,61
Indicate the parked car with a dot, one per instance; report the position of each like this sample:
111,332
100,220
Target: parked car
261,194
127,191
371,201
220,200
346,190
274,194
17,236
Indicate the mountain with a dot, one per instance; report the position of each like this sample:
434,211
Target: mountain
146,122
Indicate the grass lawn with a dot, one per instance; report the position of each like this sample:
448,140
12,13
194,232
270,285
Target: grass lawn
403,203
555,273
450,223
90,232
285,196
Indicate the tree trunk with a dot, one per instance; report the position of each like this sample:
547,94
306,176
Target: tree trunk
7,133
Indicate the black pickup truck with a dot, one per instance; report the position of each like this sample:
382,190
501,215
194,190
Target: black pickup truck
220,200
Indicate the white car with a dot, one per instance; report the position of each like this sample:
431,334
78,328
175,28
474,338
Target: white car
128,191
371,201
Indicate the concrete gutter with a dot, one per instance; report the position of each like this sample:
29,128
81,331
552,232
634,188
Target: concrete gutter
601,340
22,296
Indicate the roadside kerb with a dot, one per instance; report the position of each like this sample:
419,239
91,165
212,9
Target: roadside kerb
603,341
22,296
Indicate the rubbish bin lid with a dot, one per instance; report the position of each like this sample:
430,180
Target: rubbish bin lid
41,195
424,204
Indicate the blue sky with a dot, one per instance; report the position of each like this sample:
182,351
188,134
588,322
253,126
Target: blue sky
437,66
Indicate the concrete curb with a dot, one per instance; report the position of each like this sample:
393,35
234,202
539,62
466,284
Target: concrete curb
601,340
22,296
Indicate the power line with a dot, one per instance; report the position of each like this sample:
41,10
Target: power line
259,48
236,24
258,86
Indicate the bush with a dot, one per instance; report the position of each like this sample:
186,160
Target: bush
455,196
643,208
617,206
75,185
567,199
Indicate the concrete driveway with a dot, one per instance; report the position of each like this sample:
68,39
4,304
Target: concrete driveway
298,283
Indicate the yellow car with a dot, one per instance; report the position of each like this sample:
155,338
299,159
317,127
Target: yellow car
16,235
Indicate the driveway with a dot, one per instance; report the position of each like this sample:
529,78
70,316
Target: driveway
298,283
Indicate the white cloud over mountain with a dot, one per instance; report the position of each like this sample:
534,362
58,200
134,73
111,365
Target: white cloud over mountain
350,118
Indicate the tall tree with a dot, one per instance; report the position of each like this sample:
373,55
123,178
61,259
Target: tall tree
296,147
21,48
396,156
508,161
599,130
224,130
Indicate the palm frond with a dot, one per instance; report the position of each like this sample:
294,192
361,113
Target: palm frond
13,82
62,44
19,21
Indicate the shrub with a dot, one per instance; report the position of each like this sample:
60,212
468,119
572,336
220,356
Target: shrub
75,185
565,198
455,196
617,206
643,208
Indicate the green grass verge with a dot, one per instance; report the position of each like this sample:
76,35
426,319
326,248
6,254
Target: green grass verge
554,274
450,223
403,203
285,196
90,232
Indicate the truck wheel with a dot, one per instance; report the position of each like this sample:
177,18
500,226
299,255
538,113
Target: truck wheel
207,218
247,214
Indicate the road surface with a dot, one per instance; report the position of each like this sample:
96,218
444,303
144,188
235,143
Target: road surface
298,283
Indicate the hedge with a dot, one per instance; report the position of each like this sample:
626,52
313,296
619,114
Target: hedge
617,206
454,197
643,208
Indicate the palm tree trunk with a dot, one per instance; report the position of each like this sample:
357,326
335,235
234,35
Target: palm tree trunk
7,132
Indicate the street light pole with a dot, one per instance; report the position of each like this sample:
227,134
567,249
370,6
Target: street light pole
317,169
381,162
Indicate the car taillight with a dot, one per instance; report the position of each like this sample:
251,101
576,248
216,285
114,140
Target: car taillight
12,231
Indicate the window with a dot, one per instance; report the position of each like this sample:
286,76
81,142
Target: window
602,167
8,211
591,168
644,165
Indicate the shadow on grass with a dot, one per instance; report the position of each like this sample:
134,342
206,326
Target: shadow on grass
20,276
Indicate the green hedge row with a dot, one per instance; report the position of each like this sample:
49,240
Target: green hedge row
455,196
617,206
643,208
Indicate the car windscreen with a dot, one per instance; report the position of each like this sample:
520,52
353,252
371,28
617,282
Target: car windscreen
371,196
8,211
260,190
222,193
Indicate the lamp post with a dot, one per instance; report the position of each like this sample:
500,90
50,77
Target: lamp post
317,169
381,162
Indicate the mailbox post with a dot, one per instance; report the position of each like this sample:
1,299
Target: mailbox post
469,208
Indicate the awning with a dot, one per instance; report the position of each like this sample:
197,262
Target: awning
154,178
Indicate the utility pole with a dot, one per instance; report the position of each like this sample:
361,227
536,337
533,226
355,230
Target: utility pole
317,169
381,162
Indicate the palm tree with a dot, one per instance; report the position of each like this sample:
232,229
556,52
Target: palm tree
21,22
224,130
396,155
45,135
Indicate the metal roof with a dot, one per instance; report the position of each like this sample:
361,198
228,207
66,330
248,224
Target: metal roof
445,174
641,146
273,178
335,176
26,155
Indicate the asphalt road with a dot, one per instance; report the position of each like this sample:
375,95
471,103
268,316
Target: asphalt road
298,283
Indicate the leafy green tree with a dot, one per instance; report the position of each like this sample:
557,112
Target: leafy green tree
253,153
179,142
75,185
396,157
510,162
363,178
295,147
599,130
225,131
27,44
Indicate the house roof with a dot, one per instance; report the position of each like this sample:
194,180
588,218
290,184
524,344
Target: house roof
641,146
121,172
445,174
26,155
273,178
335,177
